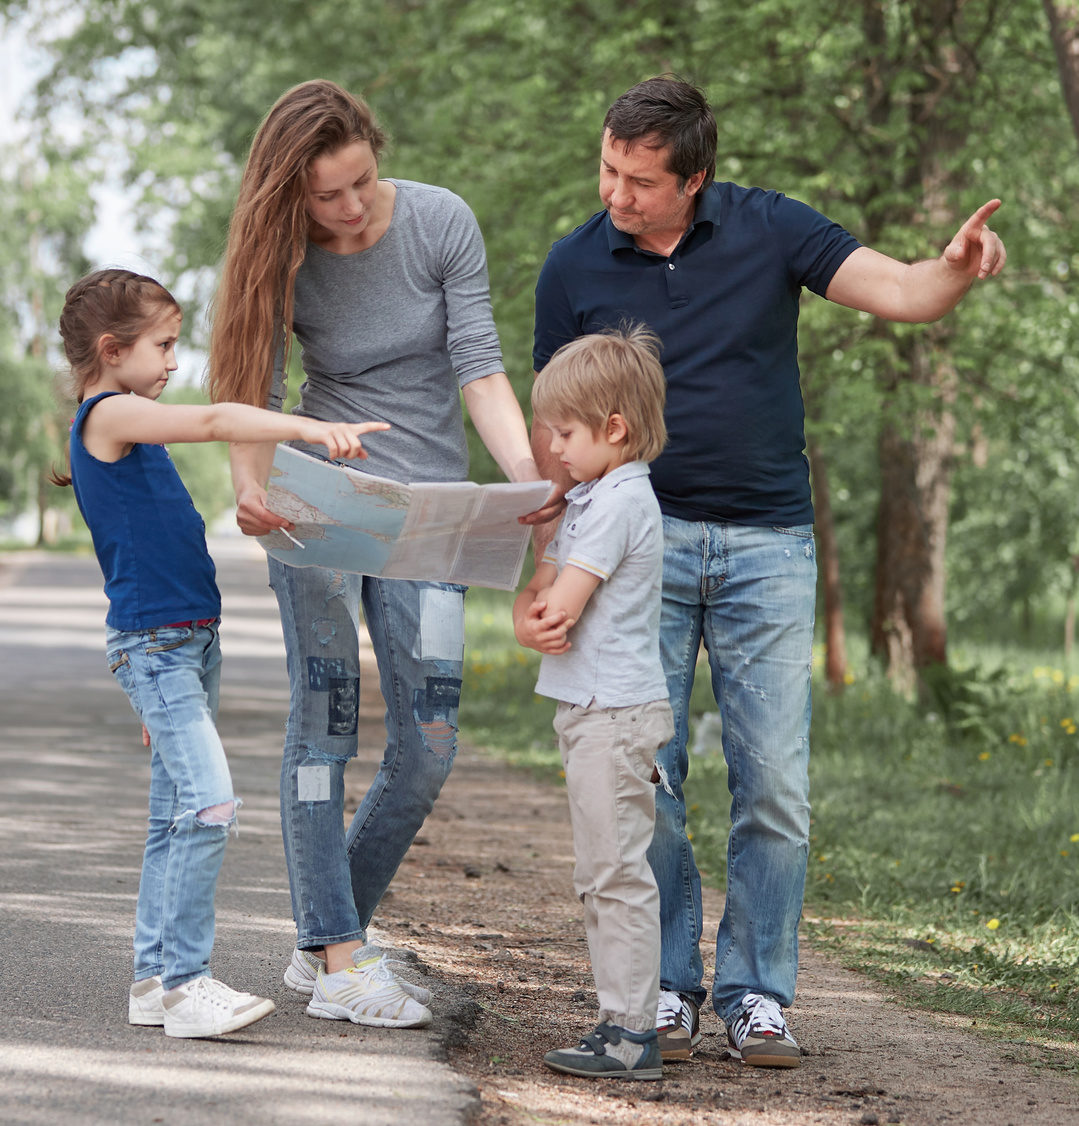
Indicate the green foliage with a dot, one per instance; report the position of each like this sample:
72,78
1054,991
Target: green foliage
499,706
502,102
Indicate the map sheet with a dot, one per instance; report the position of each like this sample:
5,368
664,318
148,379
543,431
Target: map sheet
454,532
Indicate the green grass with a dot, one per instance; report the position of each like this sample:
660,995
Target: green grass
944,850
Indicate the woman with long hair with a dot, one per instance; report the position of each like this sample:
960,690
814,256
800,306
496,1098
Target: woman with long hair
384,284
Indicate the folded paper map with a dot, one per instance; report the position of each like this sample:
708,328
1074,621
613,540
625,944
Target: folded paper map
451,532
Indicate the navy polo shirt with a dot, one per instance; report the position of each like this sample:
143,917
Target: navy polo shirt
725,308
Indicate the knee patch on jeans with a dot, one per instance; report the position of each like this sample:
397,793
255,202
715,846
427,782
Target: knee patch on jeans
330,675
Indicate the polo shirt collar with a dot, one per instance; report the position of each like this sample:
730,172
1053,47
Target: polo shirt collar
626,472
708,211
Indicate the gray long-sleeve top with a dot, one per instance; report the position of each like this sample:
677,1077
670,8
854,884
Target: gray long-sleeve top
391,334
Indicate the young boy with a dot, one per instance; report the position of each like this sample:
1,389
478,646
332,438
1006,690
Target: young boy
592,609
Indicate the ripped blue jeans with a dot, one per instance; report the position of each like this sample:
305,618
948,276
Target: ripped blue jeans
748,593
417,630
171,677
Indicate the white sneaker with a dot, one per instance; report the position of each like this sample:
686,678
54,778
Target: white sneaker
305,965
759,1035
367,993
208,1007
678,1025
144,1003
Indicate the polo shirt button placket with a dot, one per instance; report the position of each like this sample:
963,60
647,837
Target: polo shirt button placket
675,297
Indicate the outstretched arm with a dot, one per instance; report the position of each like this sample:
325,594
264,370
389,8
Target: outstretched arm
922,291
120,421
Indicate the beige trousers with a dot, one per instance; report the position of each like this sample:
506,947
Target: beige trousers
608,755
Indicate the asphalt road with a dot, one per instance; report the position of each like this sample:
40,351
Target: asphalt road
73,786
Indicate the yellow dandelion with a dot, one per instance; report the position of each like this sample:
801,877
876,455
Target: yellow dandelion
993,924
848,677
1063,852
1048,762
1017,739
1074,838
1067,721
1057,676
984,756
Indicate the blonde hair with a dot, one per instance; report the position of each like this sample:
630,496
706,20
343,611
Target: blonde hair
116,303
269,230
595,376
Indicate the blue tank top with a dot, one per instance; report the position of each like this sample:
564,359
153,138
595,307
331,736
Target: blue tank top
149,539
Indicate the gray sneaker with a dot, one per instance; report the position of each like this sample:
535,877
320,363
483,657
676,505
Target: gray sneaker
303,970
678,1025
610,1052
367,993
759,1035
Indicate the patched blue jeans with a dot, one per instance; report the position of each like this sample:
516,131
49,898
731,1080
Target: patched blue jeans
417,629
171,676
749,594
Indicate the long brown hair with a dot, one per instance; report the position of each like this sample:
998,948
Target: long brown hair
268,233
116,303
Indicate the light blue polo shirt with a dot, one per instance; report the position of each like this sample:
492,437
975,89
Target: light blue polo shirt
611,528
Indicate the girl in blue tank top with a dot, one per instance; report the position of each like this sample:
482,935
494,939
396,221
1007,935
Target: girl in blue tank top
119,331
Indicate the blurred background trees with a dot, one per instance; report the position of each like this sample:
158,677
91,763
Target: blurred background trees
948,452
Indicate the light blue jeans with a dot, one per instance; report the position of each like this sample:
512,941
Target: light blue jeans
749,594
171,676
417,631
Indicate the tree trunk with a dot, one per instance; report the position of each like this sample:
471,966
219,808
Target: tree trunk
909,627
915,445
835,637
1064,32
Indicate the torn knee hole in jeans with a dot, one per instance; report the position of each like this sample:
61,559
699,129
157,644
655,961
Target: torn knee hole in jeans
219,816
439,737
660,778
435,708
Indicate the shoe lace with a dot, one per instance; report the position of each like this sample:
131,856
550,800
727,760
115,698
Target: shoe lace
763,1016
215,992
670,1008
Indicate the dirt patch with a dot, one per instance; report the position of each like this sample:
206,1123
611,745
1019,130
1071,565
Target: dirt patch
484,899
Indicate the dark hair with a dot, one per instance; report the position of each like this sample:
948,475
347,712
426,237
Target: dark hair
667,112
115,303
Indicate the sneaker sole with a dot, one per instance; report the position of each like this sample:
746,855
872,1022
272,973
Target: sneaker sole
305,986
627,1073
679,1051
241,1020
768,1059
146,1020
328,1010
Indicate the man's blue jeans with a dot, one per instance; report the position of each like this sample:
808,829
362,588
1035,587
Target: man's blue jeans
171,676
749,594
417,631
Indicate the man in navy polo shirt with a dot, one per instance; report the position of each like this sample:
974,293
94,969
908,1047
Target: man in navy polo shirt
716,271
